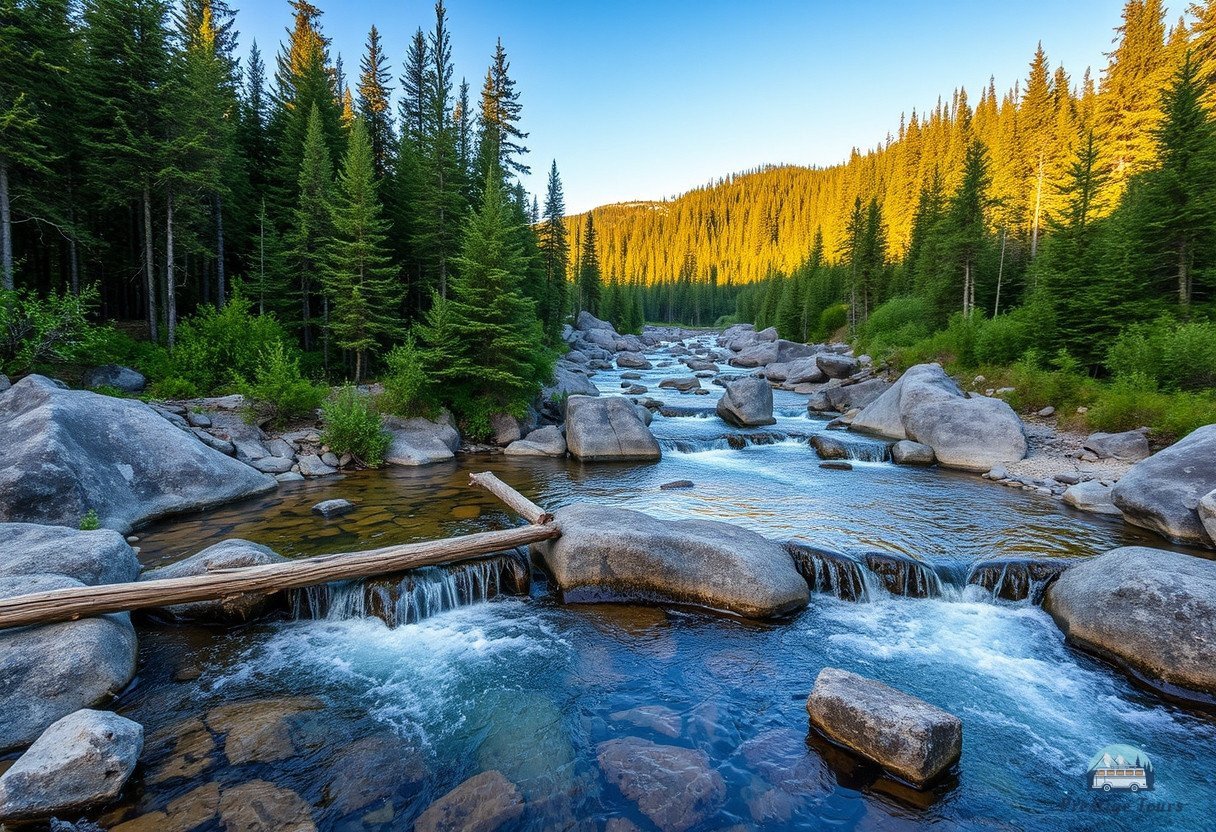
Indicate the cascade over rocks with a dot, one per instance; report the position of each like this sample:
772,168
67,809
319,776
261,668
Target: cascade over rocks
607,428
420,441
629,554
1151,611
746,402
1163,492
908,737
69,451
227,554
82,759
925,405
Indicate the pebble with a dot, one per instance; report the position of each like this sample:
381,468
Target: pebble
333,508
1047,411
668,486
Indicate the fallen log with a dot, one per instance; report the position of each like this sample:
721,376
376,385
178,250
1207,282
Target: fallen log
72,603
524,507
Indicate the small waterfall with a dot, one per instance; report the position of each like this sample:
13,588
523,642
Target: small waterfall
834,573
904,575
731,441
418,593
836,446
1015,579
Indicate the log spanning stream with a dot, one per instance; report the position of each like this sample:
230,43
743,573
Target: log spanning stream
366,701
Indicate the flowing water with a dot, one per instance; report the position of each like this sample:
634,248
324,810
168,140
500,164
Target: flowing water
368,701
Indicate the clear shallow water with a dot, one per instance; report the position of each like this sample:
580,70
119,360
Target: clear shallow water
530,687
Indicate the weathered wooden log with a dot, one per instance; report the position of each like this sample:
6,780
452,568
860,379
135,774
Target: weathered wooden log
522,506
78,602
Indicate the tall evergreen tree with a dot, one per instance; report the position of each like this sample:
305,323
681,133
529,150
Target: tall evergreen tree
359,275
374,95
967,222
311,228
500,148
555,251
590,280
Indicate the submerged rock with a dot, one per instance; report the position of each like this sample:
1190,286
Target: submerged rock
908,737
628,554
546,441
1151,611
1162,492
483,803
259,806
907,452
71,451
264,730
677,788
82,759
421,441
925,405
746,402
684,385
227,554
607,429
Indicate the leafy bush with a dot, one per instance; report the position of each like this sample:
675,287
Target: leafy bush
407,390
952,346
110,345
1061,385
830,320
1177,356
90,522
36,331
214,347
1005,338
277,390
174,387
352,426
900,322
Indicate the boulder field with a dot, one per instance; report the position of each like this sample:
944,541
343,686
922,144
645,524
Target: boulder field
1150,611
972,433
628,554
70,451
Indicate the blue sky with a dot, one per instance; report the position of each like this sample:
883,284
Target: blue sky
641,100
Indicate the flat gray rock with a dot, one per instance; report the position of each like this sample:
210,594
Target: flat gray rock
97,557
420,441
546,441
1091,496
81,760
1151,611
1129,446
628,554
607,428
907,452
69,451
333,508
227,554
907,736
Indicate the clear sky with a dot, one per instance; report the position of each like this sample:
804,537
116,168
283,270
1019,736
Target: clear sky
641,100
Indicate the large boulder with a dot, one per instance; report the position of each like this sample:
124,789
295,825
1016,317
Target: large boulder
587,322
420,441
837,366
844,398
629,554
798,371
1151,611
227,554
1162,492
70,451
633,361
607,428
83,759
973,433
546,441
1128,446
907,736
93,557
746,402
907,452
50,671
776,351
568,380
115,376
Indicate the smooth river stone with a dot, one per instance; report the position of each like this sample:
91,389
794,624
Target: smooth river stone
677,788
482,803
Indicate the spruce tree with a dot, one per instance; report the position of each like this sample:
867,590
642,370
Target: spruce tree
311,228
590,281
555,251
373,107
359,276
967,223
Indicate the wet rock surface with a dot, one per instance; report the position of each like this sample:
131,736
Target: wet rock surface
675,787
483,803
746,402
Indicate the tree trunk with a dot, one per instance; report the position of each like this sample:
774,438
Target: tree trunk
149,275
325,334
220,288
304,311
170,276
1000,273
966,287
6,228
1184,278
1038,203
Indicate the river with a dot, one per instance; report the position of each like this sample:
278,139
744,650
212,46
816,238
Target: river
367,724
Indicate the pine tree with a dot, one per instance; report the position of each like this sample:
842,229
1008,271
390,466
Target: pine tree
311,229
500,147
487,331
967,222
555,252
590,280
359,276
373,107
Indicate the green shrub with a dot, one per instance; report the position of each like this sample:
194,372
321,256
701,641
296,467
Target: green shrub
352,426
90,522
831,320
1177,356
1006,338
407,390
174,387
953,346
111,345
35,331
900,322
1035,387
277,391
214,347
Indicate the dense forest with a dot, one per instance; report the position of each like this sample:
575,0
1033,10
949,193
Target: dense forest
270,224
